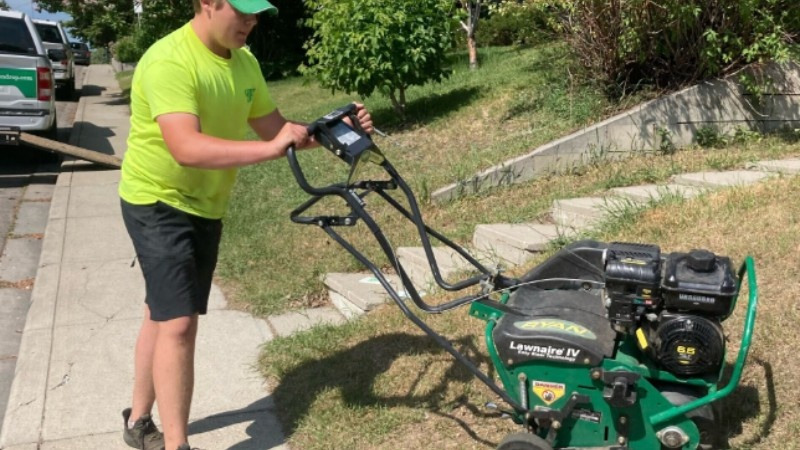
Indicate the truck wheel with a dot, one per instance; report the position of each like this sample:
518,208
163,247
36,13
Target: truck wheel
524,441
70,93
52,132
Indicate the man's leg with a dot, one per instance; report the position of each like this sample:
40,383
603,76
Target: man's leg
177,254
173,376
144,394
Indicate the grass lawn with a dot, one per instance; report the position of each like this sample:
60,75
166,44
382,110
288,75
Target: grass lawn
380,383
517,100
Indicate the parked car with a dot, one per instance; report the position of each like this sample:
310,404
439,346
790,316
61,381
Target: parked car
82,53
55,38
27,99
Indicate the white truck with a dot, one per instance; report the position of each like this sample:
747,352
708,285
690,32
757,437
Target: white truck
27,84
63,59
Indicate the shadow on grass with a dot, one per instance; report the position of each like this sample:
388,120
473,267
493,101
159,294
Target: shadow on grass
548,62
353,372
787,135
744,403
425,109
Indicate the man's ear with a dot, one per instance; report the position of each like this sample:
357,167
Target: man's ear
206,5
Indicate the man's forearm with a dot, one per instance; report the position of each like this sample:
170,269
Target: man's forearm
207,152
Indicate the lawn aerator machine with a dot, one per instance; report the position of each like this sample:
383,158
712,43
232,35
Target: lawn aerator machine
601,346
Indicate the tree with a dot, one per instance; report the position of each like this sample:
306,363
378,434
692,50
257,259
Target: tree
386,45
472,8
278,41
96,22
4,6
159,18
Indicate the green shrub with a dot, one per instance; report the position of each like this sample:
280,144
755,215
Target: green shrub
100,55
385,45
520,23
709,137
127,49
670,43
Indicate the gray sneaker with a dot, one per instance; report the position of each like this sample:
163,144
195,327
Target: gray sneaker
143,435
186,447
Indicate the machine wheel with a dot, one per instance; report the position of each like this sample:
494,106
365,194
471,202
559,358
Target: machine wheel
704,417
524,441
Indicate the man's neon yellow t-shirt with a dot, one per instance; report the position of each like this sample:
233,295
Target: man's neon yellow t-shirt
179,74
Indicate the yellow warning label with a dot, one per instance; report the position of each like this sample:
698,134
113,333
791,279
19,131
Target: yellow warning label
641,339
547,391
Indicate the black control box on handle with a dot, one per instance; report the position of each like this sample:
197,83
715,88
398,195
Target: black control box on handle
348,141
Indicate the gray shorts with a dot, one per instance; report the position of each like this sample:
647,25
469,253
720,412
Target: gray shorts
177,253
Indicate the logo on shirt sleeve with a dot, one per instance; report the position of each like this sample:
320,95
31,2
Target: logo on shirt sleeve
250,93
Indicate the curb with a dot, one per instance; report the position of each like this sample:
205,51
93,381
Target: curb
26,402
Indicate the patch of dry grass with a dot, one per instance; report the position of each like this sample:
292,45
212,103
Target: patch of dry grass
764,222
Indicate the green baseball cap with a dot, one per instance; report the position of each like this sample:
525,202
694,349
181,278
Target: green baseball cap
254,6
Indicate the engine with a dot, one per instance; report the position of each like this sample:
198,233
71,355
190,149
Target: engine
673,304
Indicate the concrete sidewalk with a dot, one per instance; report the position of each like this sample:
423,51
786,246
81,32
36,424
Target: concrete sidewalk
75,368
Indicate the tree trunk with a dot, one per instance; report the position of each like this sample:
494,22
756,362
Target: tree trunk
473,9
399,106
402,90
472,47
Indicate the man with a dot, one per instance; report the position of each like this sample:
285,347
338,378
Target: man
193,96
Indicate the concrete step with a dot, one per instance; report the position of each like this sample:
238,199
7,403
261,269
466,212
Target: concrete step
722,179
355,294
416,264
787,166
577,214
513,243
653,192
296,321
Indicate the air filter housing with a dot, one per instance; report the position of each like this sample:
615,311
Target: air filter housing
699,281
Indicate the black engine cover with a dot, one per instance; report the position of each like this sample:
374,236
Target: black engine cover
567,326
688,345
